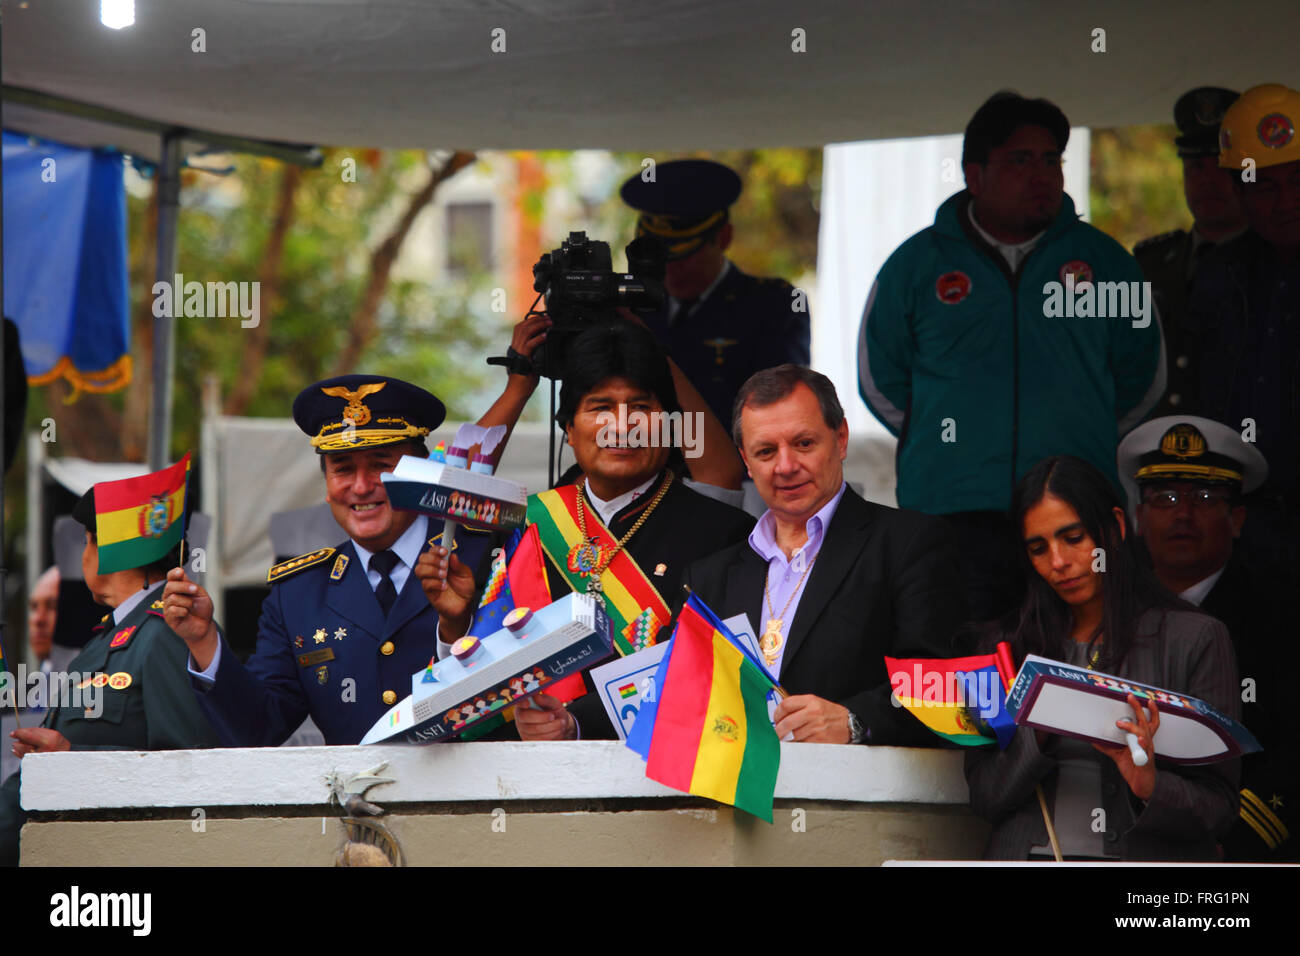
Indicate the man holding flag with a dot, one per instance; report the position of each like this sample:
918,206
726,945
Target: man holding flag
832,582
133,692
344,628
627,531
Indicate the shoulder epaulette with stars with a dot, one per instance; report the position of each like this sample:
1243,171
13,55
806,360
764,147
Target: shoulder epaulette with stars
1158,240
156,608
285,568
103,622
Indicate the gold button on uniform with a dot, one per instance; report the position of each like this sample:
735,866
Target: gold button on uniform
386,648
390,698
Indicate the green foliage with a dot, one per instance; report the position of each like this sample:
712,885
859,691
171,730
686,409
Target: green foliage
222,236
1136,183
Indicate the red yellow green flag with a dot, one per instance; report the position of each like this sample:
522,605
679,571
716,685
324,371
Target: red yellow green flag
138,520
709,733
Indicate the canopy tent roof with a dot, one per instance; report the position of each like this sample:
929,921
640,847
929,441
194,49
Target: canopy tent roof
676,74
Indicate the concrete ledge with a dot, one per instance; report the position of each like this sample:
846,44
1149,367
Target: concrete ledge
260,777
803,833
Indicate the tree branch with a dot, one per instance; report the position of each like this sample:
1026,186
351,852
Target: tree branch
362,328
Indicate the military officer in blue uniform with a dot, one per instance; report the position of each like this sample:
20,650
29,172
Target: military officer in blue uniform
127,689
718,324
1169,260
343,628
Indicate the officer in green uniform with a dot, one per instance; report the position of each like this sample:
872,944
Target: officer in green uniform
128,689
1169,260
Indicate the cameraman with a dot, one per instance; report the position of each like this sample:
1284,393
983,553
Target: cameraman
627,527
717,465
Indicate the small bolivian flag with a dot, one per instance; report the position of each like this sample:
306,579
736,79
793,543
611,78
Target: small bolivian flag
707,731
138,520
962,699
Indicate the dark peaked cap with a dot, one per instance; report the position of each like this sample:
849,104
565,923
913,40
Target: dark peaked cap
1197,114
365,411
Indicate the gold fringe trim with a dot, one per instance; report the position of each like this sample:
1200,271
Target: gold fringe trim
112,379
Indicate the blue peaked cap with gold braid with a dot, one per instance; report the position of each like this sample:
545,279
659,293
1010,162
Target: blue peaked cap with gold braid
365,411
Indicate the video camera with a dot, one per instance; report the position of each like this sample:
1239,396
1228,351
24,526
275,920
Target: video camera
581,288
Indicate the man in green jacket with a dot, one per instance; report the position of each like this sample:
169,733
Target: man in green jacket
1008,331
127,690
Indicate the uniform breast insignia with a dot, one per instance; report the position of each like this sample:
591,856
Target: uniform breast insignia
120,639
340,633
718,345
340,565
312,658
297,641
120,681
322,675
284,569
660,569
103,622
157,608
319,636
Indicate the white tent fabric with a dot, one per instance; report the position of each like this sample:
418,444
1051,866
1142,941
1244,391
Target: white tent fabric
674,74
862,223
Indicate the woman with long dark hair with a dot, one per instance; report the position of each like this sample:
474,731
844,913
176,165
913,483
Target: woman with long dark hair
1091,601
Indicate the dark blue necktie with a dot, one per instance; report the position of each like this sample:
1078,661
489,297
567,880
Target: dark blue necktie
384,562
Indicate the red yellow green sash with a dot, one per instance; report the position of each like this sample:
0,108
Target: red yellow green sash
633,604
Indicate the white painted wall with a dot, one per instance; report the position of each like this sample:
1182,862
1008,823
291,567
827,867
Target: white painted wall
579,770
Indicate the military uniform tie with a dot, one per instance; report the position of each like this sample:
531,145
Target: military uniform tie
384,562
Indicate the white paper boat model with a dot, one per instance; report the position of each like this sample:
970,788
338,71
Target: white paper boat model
529,654
1071,700
466,497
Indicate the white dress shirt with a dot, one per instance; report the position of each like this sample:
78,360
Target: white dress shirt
1197,592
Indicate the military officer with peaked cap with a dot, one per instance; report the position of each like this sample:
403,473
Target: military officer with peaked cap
718,324
131,691
1169,260
343,628
1190,474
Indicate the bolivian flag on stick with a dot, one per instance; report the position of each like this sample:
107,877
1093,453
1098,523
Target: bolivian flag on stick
707,731
962,699
138,520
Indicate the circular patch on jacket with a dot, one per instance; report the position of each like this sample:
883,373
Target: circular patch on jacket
952,287
120,681
99,680
1275,130
1081,271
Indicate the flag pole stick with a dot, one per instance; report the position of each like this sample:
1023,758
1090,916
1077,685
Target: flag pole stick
1004,653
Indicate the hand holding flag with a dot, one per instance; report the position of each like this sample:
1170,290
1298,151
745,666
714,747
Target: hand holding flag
187,609
706,730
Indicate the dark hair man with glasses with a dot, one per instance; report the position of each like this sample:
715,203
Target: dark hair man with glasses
1190,474
964,355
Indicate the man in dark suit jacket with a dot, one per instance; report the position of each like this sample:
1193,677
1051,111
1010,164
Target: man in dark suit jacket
832,582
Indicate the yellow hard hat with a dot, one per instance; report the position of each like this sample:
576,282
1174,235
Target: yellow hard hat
1261,126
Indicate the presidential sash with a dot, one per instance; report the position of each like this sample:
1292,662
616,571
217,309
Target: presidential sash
634,605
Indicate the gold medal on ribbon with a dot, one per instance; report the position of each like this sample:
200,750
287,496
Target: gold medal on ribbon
770,642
